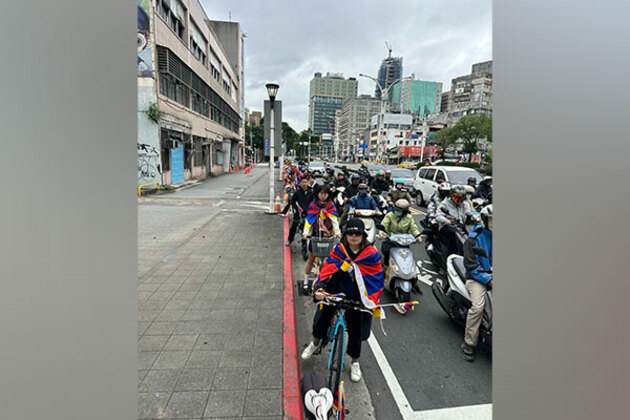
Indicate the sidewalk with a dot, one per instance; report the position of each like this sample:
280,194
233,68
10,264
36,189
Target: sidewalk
211,318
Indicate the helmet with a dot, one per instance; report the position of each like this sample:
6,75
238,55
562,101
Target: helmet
355,225
355,178
401,205
388,172
471,181
486,216
487,178
458,193
379,173
469,189
444,189
399,181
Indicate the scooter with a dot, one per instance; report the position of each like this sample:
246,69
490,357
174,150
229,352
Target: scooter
434,248
455,299
338,198
402,269
367,216
381,201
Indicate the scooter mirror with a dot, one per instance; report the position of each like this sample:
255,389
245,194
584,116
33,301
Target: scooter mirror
480,251
381,227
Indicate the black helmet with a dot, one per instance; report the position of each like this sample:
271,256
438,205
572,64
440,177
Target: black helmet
355,225
355,178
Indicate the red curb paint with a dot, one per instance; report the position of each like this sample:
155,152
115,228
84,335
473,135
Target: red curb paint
291,395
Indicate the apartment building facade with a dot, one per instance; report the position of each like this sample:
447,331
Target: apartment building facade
190,93
354,118
326,95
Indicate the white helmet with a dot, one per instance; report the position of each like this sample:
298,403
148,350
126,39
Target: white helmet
486,216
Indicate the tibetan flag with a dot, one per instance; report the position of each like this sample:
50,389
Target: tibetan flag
339,402
315,211
366,268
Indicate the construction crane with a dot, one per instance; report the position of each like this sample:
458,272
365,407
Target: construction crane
389,49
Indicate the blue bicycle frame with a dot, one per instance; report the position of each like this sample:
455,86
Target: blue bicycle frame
332,333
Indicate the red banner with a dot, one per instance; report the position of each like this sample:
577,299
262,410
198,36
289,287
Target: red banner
416,151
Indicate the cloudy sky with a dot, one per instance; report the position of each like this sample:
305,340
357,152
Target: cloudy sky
289,40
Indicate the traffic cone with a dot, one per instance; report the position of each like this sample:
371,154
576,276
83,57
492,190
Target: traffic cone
230,169
277,205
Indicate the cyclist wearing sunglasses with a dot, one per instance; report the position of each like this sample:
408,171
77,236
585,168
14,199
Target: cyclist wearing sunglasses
337,276
451,213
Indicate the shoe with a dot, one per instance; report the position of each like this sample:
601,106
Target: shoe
416,288
468,353
287,243
400,308
355,372
308,351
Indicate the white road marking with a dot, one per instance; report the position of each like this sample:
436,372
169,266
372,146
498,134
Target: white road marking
468,412
220,203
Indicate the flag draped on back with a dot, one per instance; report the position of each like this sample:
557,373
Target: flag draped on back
366,269
314,211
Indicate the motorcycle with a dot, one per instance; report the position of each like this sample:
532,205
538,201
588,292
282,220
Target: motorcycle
455,299
381,201
434,248
402,268
367,216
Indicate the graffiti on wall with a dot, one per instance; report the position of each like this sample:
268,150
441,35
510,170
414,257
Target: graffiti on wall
148,165
144,41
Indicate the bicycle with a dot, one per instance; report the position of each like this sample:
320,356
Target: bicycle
321,248
336,336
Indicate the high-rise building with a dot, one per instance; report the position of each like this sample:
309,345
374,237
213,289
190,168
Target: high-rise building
326,95
391,70
354,119
416,97
444,106
472,93
190,92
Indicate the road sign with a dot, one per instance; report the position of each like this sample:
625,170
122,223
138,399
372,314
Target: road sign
266,147
363,146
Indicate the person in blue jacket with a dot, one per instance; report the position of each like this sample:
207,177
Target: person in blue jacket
478,281
362,201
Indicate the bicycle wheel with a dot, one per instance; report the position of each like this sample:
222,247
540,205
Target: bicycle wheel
336,361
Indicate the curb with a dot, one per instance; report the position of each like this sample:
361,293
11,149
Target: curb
291,395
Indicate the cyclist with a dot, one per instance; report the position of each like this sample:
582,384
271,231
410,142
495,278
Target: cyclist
300,201
353,268
321,220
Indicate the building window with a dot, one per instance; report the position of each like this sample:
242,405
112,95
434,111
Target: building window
198,151
227,82
215,65
198,44
173,13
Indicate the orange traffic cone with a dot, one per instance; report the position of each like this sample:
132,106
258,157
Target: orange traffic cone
277,205
230,169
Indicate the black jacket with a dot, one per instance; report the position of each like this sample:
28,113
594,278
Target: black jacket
302,199
351,191
380,185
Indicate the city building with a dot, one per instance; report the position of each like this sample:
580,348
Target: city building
416,97
254,118
190,92
472,93
394,132
444,103
326,95
354,118
391,70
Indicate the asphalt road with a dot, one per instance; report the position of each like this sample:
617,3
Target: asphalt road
421,353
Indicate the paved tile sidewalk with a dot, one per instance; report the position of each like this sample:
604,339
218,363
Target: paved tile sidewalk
210,323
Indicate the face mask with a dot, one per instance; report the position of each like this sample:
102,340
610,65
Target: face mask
398,213
362,193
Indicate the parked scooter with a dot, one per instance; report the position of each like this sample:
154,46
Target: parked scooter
455,299
402,268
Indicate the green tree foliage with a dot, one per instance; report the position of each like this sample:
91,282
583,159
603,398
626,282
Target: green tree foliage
255,133
444,138
471,129
290,137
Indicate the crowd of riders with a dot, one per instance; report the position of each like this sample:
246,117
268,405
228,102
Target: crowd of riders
452,206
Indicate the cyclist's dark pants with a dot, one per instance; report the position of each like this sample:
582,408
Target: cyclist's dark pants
358,324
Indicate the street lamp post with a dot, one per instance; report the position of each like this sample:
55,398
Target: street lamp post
381,115
272,90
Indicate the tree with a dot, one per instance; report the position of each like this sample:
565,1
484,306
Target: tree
290,137
445,137
255,133
471,129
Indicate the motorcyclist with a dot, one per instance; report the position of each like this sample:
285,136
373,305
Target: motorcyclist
345,171
484,189
329,175
478,279
339,275
321,220
341,180
388,178
362,200
399,221
353,188
397,192
443,191
453,210
299,203
379,184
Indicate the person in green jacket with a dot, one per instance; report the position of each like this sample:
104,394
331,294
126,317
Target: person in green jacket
399,220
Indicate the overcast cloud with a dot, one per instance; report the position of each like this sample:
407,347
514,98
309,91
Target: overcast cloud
289,40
